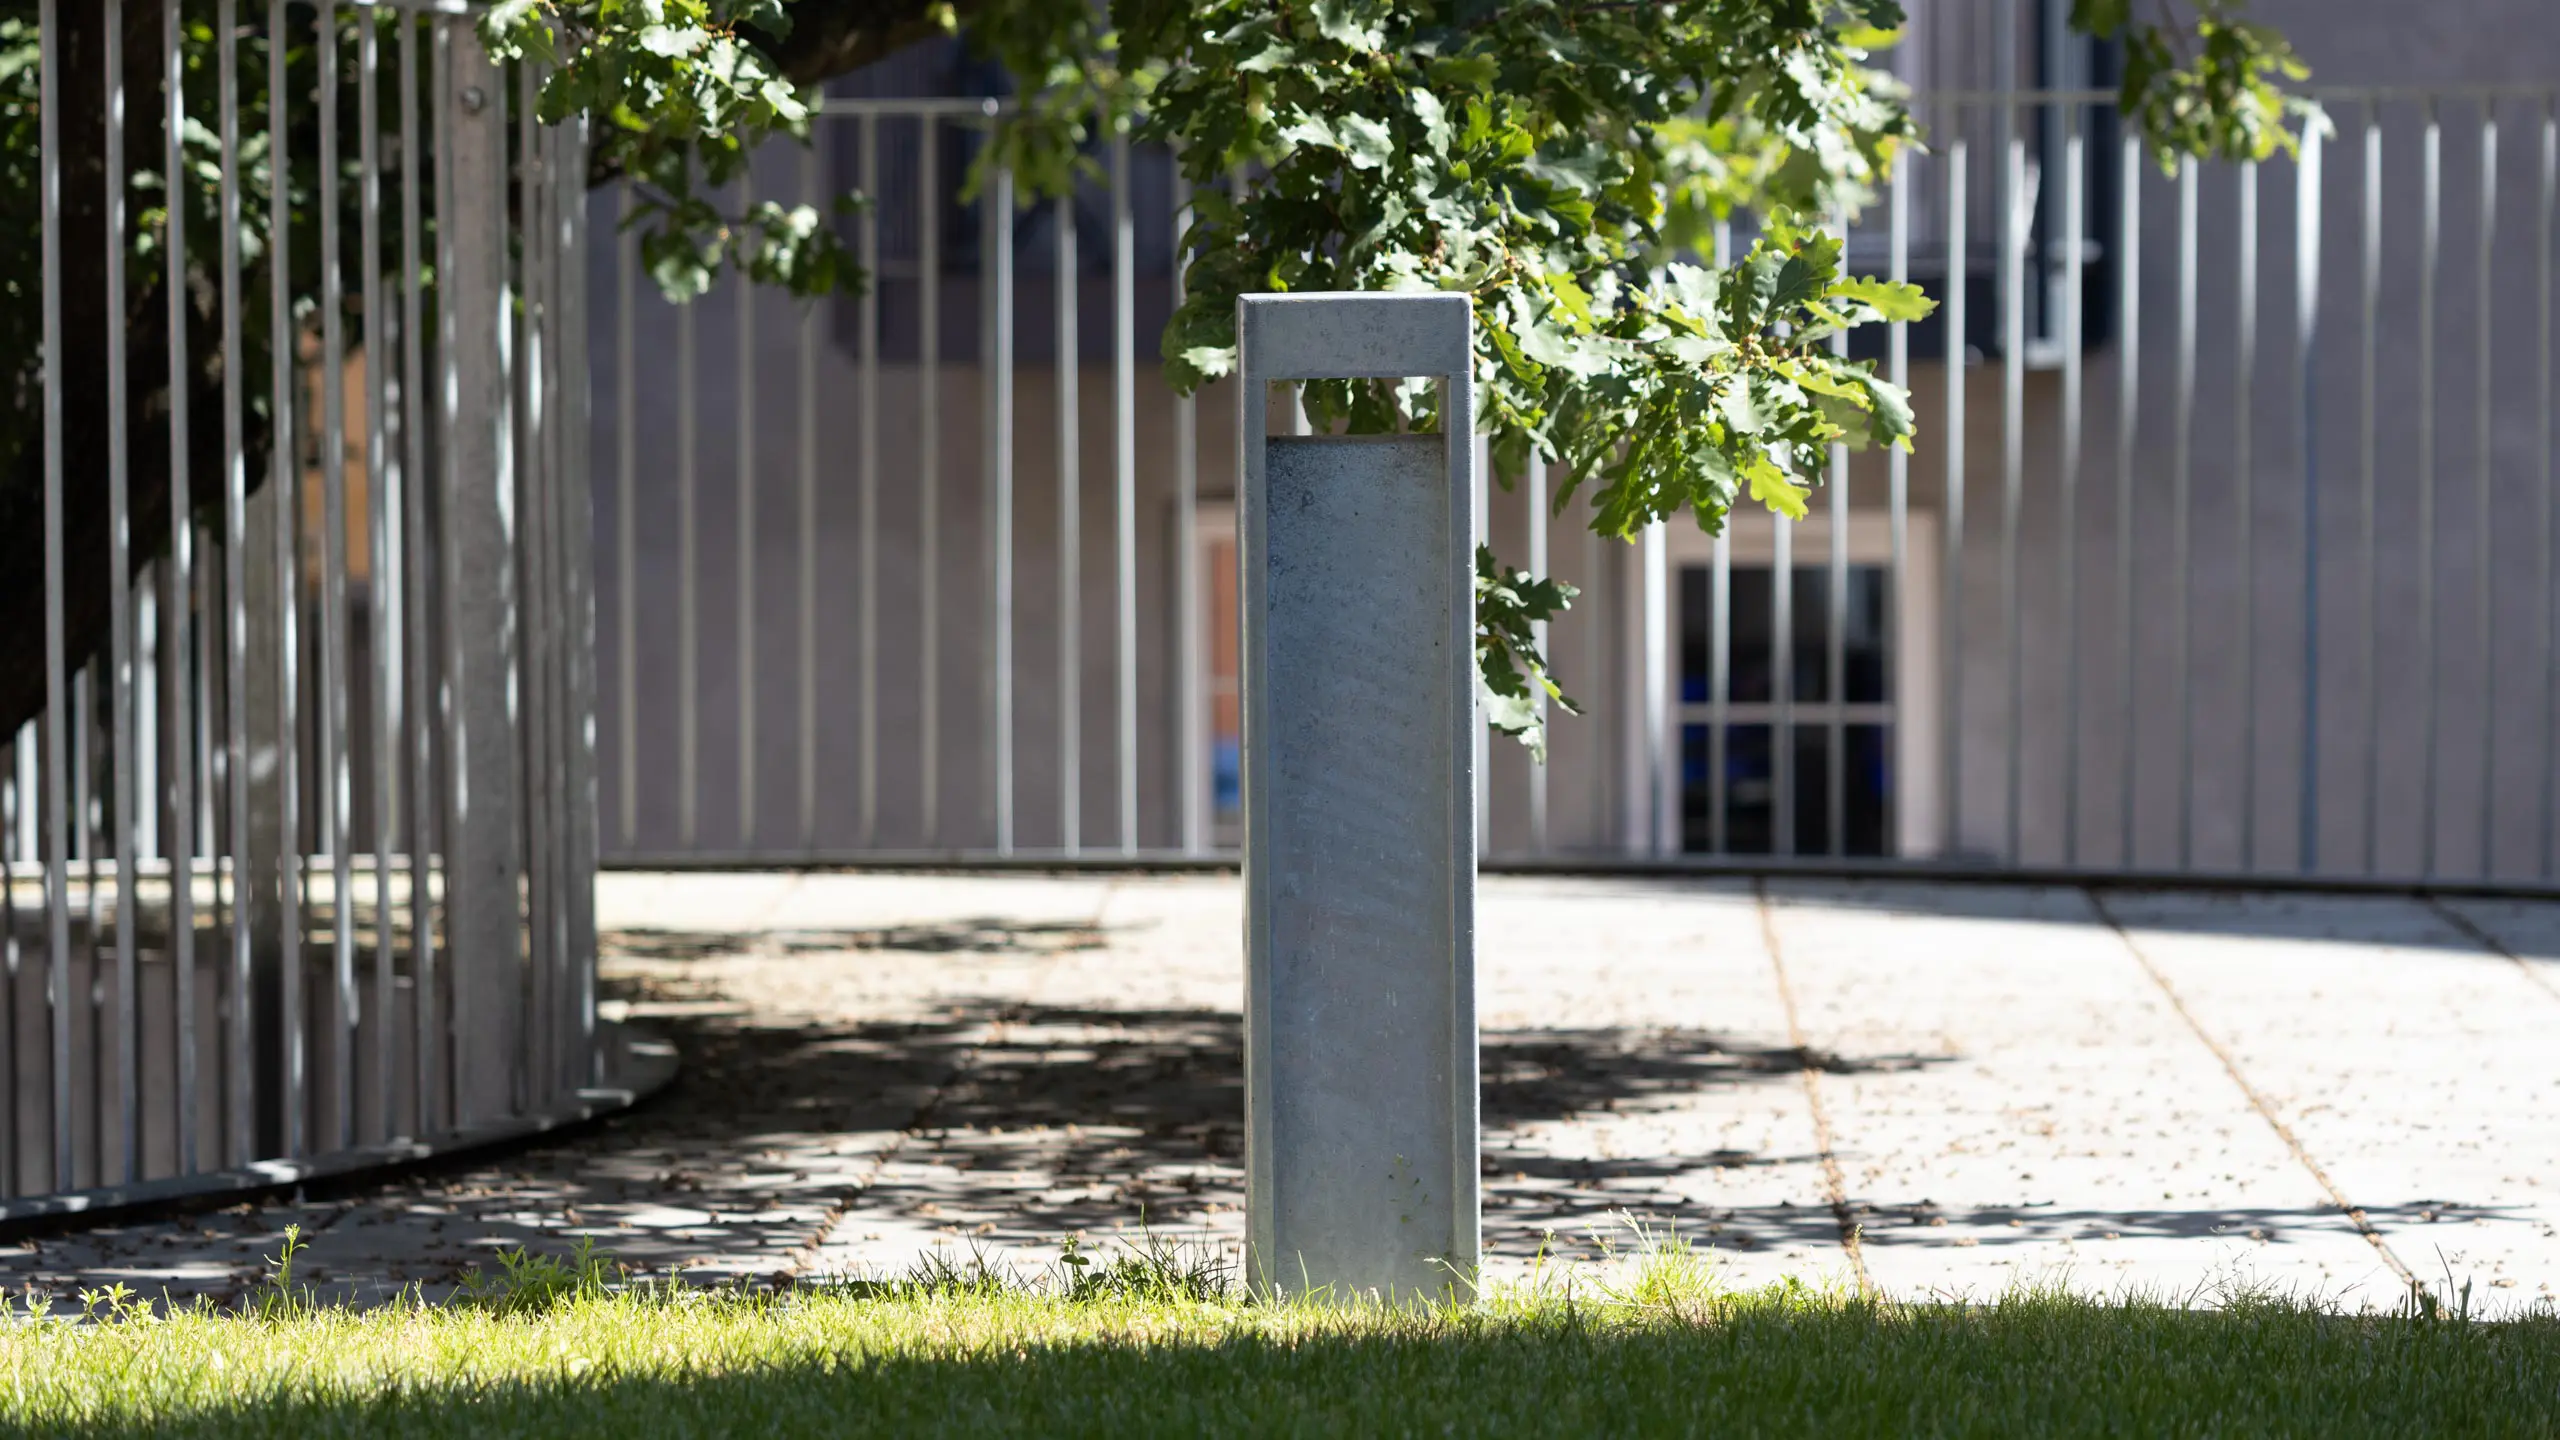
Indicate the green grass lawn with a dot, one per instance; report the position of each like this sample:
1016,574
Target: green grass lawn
1139,1348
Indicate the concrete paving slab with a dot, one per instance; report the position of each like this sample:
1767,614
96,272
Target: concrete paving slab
2414,1066
2014,1101
1637,1064
883,1067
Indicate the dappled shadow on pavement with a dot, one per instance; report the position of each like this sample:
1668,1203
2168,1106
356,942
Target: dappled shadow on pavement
981,935
1090,1119
982,1118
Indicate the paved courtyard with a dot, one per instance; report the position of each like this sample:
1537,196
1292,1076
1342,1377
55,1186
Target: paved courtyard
1929,1089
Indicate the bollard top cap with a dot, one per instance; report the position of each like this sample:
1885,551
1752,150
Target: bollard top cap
1353,335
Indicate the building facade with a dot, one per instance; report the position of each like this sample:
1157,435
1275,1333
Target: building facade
2248,567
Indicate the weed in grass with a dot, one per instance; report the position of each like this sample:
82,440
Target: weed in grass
280,1298
525,1281
1155,1268
117,1301
937,1273
1152,1269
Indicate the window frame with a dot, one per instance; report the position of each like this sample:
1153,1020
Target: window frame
1911,708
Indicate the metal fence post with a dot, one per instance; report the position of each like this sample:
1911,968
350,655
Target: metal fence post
265,877
482,867
578,891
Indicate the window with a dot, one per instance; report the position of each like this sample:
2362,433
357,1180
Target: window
1876,731
1844,738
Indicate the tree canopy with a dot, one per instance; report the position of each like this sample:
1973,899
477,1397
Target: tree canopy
1559,161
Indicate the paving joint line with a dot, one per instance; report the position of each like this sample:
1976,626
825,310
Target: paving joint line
1834,1187
2486,941
2257,1100
802,1256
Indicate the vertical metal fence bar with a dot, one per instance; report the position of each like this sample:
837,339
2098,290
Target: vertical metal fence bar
15,803
688,646
2306,359
552,334
626,502
2014,220
483,870
2075,190
1191,725
57,855
536,356
205,770
441,1098
521,225
2244,492
179,596
2369,301
745,374
808,415
149,652
121,739
415,647
284,482
1124,462
538,576
563,191
929,471
1952,704
1660,804
1070,543
537,636
1533,488
380,473
572,529
1720,644
85,683
205,766
1480,526
2430,243
1719,686
1897,462
1835,655
576,409
2543,599
572,523
558,194
235,614
2182,483
2128,261
867,487
998,220
336,776
1782,685
26,771
2483,388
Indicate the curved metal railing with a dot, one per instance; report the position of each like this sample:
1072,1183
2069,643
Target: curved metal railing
297,840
